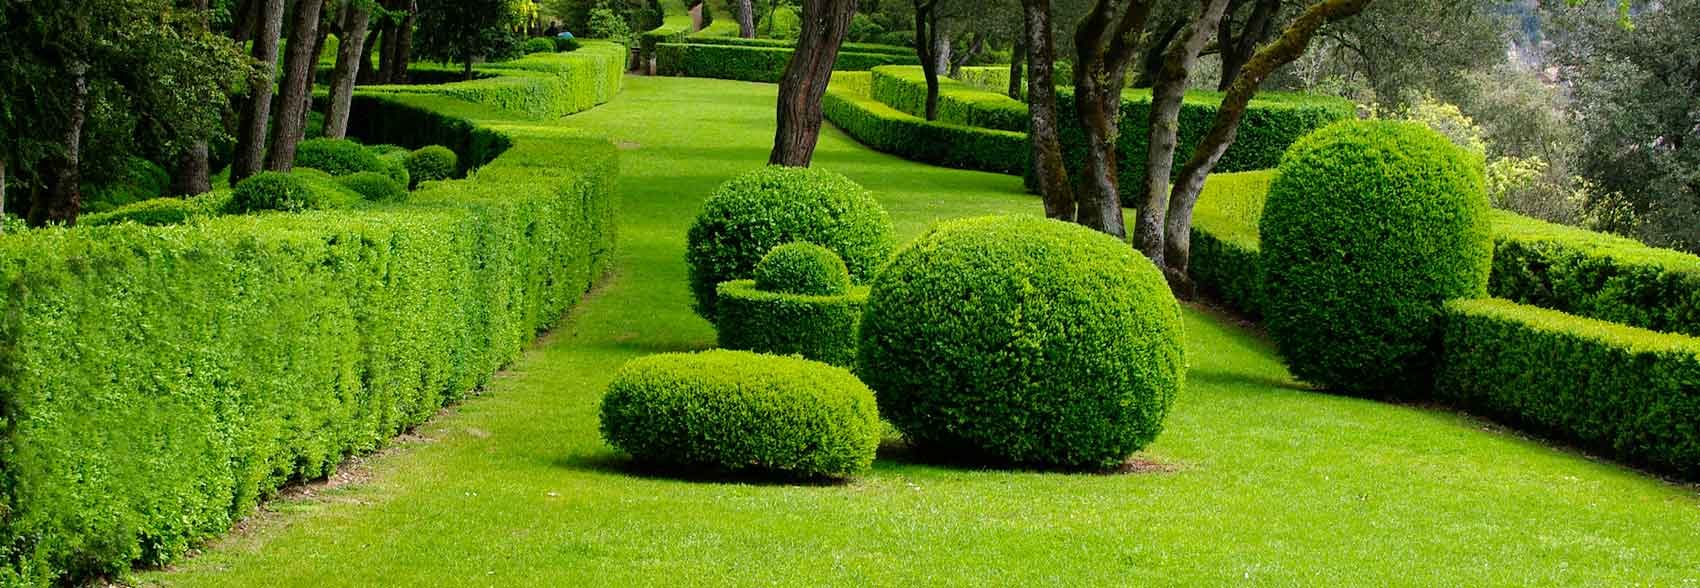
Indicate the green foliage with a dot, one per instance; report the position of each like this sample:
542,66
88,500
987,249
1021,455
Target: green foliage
432,163
739,411
540,45
153,213
848,105
1226,261
566,44
1369,228
1621,390
675,30
802,268
292,192
1023,340
821,327
735,41
605,24
542,86
374,186
905,89
783,23
758,210
465,31
137,180
337,157
751,64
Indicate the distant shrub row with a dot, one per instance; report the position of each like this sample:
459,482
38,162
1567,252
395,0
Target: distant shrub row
752,63
905,88
848,105
540,86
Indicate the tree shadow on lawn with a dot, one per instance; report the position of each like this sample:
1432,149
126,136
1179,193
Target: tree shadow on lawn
619,464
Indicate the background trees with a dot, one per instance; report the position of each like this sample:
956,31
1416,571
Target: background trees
464,31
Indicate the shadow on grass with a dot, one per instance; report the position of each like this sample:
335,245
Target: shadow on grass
899,451
621,465
1240,380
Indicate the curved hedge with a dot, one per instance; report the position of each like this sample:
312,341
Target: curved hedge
135,430
905,89
541,86
735,411
752,213
751,64
735,41
1370,227
848,105
1023,340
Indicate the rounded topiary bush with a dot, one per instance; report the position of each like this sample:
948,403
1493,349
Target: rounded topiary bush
153,213
539,45
1369,228
374,186
1023,341
337,157
802,268
274,191
735,410
753,213
432,163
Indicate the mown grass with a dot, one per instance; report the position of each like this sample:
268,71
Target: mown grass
1271,484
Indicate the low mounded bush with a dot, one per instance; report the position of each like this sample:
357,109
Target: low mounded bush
291,192
1024,341
432,163
754,212
802,268
540,45
740,411
153,213
1370,227
374,187
337,157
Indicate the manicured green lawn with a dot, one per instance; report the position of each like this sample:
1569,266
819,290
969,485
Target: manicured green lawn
1271,484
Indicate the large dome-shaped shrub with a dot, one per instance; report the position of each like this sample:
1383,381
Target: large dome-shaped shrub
1024,341
762,209
736,410
1369,228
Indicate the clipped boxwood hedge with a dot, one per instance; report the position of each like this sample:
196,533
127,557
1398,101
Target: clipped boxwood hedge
1629,392
337,157
1369,228
818,327
739,411
736,41
848,105
905,89
1023,340
752,64
541,86
673,30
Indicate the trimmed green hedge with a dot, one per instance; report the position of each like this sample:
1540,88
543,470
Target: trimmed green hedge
675,29
161,211
717,29
1226,259
542,86
848,105
739,411
736,41
157,382
905,89
818,327
751,64
1272,122
1629,392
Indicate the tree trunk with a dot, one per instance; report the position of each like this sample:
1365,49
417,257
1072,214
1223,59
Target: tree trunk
404,45
467,72
297,81
1017,57
746,11
64,190
1151,64
1050,172
256,110
941,45
1103,53
926,48
1166,99
193,173
2,196
348,62
825,23
388,50
1290,46
1236,50
974,48
370,72
247,17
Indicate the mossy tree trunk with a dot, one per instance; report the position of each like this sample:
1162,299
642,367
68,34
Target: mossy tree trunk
1167,95
1050,172
297,82
357,19
256,109
1104,45
1236,48
926,48
825,23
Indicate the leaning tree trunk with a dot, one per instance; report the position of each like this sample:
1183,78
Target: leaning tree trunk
1104,45
1290,46
1050,174
1167,97
1236,50
926,48
370,72
746,12
297,81
404,44
825,23
1018,57
65,194
348,62
974,49
256,110
193,173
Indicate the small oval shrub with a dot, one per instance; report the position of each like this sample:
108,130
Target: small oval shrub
1023,341
337,157
754,212
818,327
153,213
1369,228
273,191
374,186
539,45
736,411
432,163
802,268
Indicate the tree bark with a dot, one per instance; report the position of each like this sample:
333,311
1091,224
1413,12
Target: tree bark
1018,57
64,190
974,48
1103,53
348,62
926,48
247,16
297,81
1049,171
193,173
370,72
746,12
256,110
389,48
1151,63
941,45
1166,99
1236,50
1290,46
404,44
825,23
2,196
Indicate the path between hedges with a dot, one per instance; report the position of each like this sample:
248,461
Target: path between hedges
1274,485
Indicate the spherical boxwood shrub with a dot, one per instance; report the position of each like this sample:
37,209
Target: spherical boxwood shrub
762,209
539,45
735,410
337,157
274,191
432,163
1023,341
802,268
374,186
1368,229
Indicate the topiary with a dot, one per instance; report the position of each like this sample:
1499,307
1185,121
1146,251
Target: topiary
432,163
754,212
802,268
1025,341
374,186
153,213
337,157
539,45
305,189
1369,227
736,410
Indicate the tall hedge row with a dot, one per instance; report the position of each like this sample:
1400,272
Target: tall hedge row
751,64
848,105
157,382
905,88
